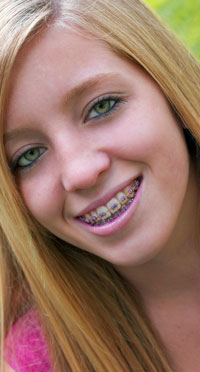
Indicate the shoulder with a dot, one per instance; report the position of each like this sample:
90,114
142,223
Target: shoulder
25,349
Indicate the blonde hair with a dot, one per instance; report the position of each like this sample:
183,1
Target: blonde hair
92,320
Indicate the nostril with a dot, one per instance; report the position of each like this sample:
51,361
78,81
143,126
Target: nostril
84,172
81,180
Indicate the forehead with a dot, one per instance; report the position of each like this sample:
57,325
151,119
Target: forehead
57,61
56,49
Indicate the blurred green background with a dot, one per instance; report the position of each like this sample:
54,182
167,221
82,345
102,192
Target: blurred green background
184,17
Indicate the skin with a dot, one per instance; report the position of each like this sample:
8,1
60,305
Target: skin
7,368
85,158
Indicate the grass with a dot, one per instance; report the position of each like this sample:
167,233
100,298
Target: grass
184,17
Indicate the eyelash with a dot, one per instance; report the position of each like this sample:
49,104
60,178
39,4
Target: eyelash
16,165
117,102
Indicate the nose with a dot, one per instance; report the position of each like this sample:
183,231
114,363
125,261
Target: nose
82,171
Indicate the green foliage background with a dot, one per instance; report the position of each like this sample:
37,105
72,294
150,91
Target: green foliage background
184,17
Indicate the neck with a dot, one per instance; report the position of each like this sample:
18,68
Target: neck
167,277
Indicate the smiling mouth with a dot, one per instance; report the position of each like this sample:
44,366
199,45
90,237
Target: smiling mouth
115,207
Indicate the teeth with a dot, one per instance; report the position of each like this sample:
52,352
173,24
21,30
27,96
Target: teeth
87,218
121,197
103,213
95,217
136,184
129,191
113,205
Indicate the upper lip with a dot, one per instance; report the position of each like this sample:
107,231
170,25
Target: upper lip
106,197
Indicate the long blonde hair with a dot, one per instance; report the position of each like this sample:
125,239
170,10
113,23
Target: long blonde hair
91,319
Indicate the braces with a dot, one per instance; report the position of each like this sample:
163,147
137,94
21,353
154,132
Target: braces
96,222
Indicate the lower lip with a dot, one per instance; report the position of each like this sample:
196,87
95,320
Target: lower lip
117,224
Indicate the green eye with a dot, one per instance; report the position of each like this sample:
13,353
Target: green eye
28,158
101,108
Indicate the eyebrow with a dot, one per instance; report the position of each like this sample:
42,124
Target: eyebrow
91,83
19,133
75,91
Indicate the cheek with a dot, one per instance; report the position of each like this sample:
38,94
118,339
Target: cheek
154,134
146,141
42,197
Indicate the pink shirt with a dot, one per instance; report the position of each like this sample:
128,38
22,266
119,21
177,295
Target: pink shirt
25,347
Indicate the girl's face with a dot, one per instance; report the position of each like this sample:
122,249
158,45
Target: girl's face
96,151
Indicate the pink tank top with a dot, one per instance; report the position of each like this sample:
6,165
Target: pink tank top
25,348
